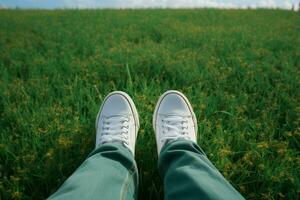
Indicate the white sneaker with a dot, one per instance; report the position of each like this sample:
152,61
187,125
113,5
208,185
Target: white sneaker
174,119
117,121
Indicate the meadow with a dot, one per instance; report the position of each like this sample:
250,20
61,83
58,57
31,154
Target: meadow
239,68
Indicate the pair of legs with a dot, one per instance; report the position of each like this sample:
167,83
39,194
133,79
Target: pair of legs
110,171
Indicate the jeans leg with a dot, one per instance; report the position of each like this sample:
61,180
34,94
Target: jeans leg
188,174
109,172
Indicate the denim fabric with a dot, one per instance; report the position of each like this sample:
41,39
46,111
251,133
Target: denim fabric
110,173
188,174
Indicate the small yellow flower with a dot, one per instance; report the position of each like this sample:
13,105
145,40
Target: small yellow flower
225,174
14,178
281,195
16,195
263,145
49,154
29,158
242,188
228,166
291,179
289,134
261,167
64,142
224,152
275,179
202,106
281,151
219,126
248,158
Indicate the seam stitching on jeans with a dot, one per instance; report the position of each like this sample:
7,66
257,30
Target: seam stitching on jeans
125,184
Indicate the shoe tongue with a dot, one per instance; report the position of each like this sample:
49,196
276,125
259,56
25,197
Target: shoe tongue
172,132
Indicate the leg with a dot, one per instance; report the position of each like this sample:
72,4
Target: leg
188,174
110,171
185,169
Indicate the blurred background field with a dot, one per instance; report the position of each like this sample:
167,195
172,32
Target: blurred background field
239,68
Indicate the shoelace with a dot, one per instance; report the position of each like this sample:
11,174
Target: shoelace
175,127
115,128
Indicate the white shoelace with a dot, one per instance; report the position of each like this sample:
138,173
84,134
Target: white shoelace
175,127
115,128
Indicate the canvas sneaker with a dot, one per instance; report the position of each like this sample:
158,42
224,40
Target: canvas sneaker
117,121
173,119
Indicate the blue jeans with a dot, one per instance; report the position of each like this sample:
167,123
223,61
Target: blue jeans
110,172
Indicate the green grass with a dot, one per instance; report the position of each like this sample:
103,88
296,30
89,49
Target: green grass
240,70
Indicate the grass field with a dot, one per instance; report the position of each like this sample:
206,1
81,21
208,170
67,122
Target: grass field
240,70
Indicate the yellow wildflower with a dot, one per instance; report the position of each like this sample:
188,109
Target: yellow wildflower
64,142
281,195
224,152
281,151
14,178
261,167
242,188
49,154
16,195
275,179
202,106
263,145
